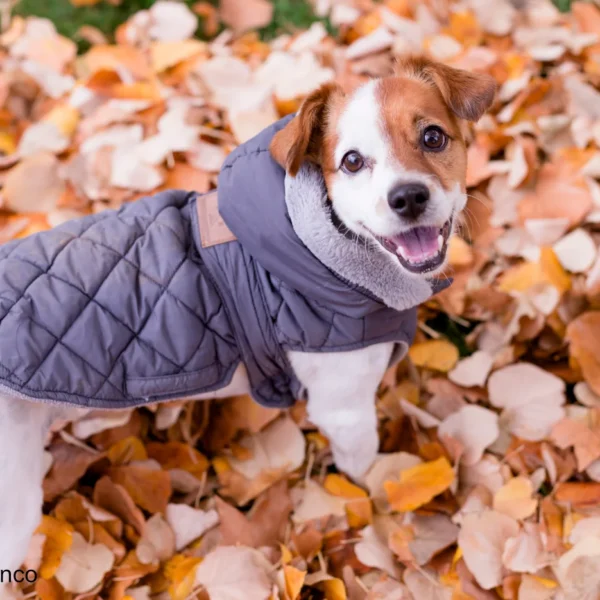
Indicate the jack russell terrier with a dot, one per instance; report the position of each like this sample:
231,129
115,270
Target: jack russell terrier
300,275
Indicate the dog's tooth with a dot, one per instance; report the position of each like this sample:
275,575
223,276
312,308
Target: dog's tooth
402,252
440,241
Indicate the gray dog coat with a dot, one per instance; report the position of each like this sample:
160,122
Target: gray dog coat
133,306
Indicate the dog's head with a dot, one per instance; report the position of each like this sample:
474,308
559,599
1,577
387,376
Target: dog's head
393,154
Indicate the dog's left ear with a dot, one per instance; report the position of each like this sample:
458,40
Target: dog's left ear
467,94
301,139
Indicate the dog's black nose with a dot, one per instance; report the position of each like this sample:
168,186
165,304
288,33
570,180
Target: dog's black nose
409,200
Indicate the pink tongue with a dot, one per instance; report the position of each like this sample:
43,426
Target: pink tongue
419,243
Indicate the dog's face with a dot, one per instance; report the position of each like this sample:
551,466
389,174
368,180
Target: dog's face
393,155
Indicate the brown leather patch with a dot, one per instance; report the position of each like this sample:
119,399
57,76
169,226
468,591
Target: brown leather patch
213,229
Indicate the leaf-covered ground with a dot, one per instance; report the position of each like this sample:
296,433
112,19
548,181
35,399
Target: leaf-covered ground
488,482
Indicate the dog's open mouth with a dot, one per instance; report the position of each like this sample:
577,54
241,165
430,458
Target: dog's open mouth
420,249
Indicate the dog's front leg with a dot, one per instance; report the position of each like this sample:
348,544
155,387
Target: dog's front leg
23,429
341,390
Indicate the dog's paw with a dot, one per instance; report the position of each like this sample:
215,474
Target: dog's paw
355,460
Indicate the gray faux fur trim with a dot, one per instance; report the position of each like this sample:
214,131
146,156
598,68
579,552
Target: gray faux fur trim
367,265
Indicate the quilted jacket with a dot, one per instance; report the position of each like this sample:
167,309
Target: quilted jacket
126,307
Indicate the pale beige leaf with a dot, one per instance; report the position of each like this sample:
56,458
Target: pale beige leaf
472,370
372,551
482,539
189,523
474,427
157,543
576,251
84,565
313,502
280,445
235,573
514,499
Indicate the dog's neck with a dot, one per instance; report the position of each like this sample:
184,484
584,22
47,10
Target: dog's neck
360,261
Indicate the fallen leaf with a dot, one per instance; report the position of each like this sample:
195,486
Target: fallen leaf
188,523
532,399
582,334
576,251
419,484
371,551
482,538
294,580
69,464
235,573
34,184
438,355
265,525
473,370
474,427
58,539
242,15
514,499
157,543
150,489
84,565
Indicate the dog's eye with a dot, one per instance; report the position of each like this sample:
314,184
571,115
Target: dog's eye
353,162
434,139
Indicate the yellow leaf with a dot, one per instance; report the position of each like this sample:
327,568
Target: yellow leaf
286,555
294,580
547,583
164,55
359,513
59,537
338,485
80,3
514,498
460,254
181,572
439,355
420,484
318,439
333,589
553,270
65,117
528,274
465,28
7,143
127,450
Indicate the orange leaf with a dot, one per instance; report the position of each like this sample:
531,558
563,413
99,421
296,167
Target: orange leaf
338,485
178,455
127,450
420,484
294,580
181,572
59,537
359,513
148,488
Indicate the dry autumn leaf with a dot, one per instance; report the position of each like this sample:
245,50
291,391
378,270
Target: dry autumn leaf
438,355
420,484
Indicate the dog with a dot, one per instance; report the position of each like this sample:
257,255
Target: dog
341,215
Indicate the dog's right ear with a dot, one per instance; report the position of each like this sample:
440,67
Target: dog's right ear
301,139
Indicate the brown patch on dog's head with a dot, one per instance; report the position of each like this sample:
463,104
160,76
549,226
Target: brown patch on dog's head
422,94
303,137
467,94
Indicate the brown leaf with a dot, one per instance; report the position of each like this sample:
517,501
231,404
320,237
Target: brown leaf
150,489
583,334
69,464
267,521
116,499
